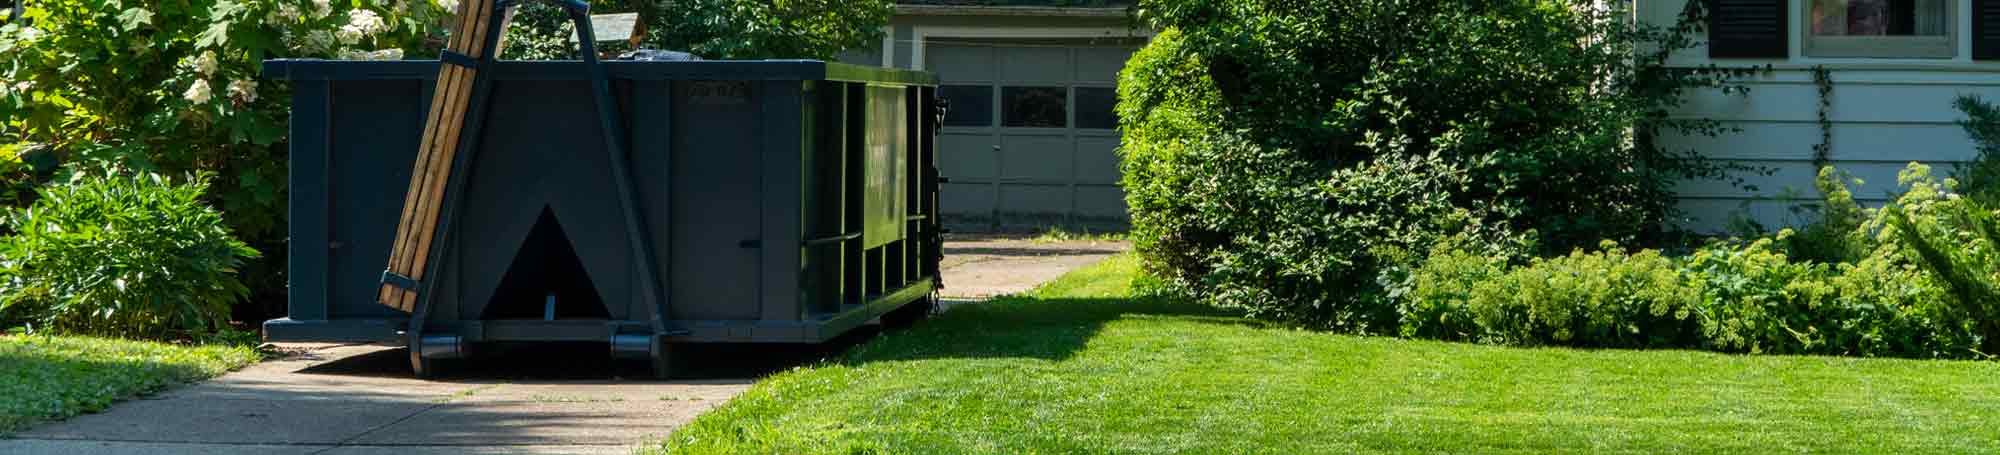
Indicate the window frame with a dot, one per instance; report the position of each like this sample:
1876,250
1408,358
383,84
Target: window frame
1887,47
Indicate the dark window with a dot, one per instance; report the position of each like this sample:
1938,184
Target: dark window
971,105
1097,108
1035,107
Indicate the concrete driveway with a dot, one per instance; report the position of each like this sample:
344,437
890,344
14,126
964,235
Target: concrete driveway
359,399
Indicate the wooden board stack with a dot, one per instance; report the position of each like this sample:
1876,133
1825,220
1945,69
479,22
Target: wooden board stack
448,111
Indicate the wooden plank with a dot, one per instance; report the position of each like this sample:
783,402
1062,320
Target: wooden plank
418,224
441,99
441,167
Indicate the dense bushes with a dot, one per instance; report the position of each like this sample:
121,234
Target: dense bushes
1909,293
1281,156
714,29
174,87
121,254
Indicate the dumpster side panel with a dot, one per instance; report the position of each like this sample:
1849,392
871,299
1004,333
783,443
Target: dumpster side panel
715,191
541,152
783,113
376,128
886,147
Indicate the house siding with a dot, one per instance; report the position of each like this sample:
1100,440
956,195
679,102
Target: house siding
1883,114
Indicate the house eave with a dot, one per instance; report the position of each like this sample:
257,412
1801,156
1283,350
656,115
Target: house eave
1013,11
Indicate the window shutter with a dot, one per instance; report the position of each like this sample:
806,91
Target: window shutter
1750,28
1986,29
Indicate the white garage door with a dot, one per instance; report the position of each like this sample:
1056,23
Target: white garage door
1031,138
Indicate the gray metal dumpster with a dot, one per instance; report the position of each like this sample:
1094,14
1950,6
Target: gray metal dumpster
787,201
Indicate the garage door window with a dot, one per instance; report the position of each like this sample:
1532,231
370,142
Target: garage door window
1096,108
971,105
1035,107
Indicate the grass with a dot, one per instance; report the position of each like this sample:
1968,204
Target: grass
1059,235
51,378
1080,367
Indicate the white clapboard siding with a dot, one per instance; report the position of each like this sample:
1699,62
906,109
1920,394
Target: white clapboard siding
1884,114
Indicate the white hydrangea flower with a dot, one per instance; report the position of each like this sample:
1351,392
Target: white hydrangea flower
29,34
206,64
366,21
199,93
285,14
360,24
317,41
348,36
385,54
243,90
321,8
449,6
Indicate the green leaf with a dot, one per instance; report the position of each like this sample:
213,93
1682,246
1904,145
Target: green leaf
134,18
216,36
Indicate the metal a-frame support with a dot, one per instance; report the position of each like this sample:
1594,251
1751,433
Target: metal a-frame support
424,348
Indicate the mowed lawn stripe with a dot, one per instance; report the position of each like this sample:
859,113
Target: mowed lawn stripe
1083,366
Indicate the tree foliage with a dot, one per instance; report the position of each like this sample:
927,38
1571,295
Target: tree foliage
174,86
1282,155
717,29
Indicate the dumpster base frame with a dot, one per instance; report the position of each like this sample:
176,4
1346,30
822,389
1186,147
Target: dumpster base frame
817,329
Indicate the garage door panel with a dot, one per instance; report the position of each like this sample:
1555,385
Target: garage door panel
1102,203
966,199
965,155
1036,157
1100,64
1097,160
956,64
1034,206
1044,152
1034,64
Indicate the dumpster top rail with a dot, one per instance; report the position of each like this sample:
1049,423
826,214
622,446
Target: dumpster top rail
741,70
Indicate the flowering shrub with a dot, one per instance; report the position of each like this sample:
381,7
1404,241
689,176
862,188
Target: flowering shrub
174,87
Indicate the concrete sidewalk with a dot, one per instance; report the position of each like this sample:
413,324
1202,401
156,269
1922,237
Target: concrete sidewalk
360,399
977,268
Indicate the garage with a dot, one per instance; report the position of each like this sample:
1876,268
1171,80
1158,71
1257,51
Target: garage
1031,139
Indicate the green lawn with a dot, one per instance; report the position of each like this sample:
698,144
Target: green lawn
47,378
1079,368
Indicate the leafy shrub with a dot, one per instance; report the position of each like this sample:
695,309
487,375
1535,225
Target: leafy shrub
119,254
1921,285
1980,177
174,87
715,29
1287,157
1602,299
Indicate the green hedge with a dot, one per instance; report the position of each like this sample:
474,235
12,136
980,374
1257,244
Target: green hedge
1280,156
1897,299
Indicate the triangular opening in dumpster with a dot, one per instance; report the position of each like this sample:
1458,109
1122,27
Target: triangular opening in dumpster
544,268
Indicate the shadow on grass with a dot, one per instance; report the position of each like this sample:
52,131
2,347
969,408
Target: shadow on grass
1023,327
